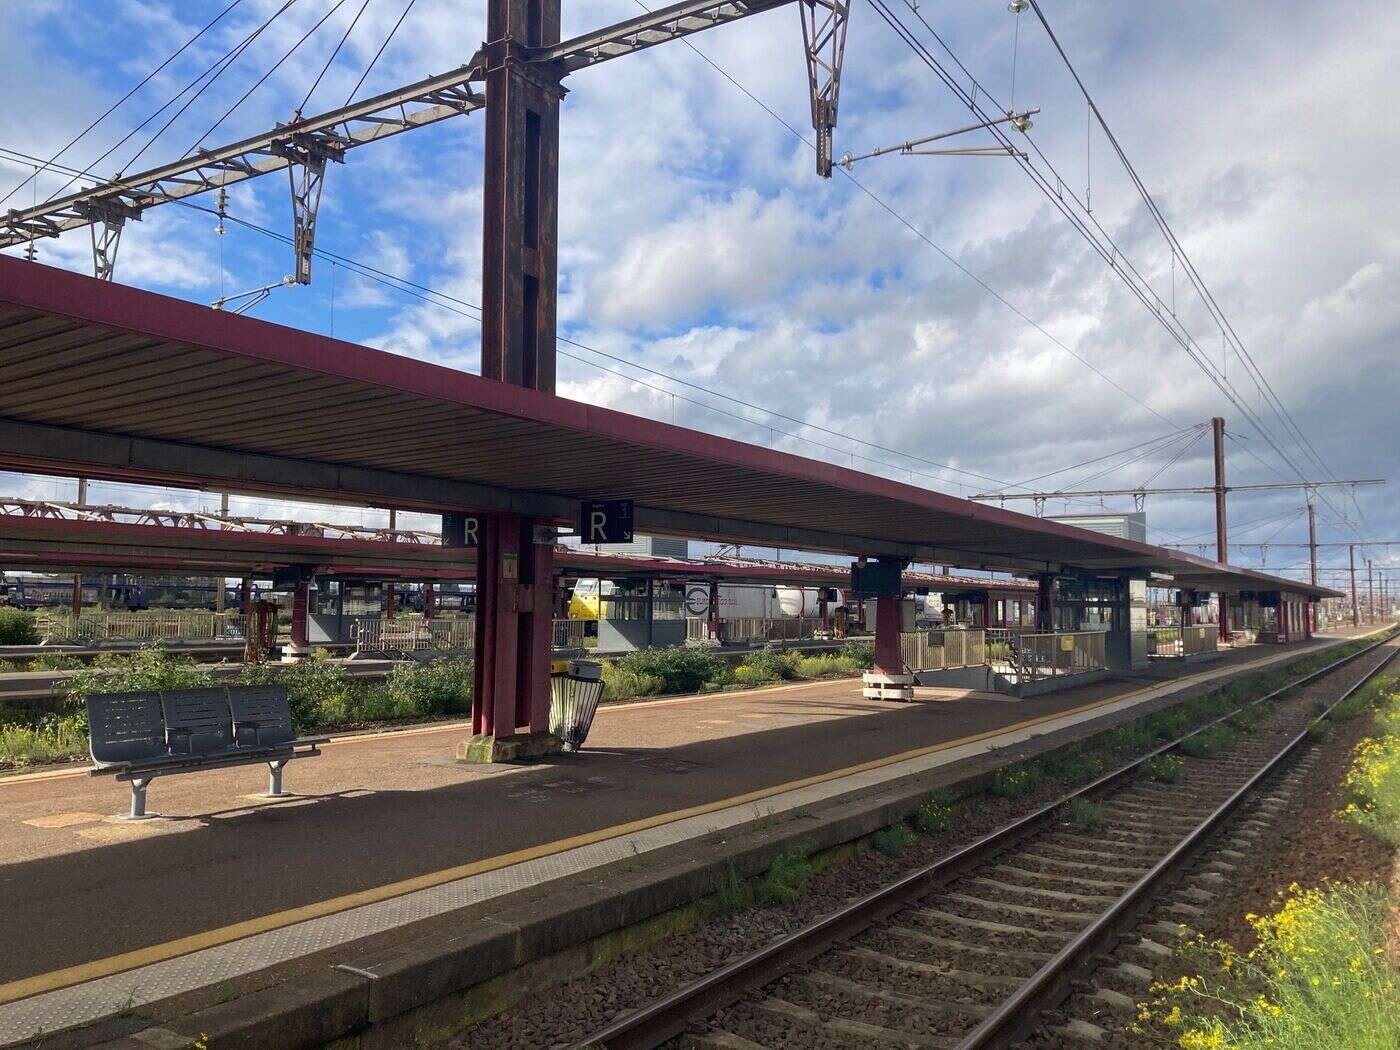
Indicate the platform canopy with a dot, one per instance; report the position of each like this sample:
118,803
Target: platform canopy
64,545
106,381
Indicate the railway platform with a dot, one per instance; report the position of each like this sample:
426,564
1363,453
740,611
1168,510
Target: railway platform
395,877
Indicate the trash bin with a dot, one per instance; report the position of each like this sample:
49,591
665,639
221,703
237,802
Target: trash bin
573,701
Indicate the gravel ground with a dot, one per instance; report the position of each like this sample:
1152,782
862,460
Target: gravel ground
566,1015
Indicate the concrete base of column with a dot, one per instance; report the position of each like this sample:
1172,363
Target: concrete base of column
294,652
519,747
880,686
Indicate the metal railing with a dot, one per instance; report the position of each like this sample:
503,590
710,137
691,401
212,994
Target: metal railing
1165,641
943,650
569,634
739,629
1036,656
1182,641
413,633
448,634
149,625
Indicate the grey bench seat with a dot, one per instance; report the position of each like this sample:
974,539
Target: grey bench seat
139,736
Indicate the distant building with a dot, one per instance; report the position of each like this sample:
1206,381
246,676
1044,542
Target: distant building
1124,526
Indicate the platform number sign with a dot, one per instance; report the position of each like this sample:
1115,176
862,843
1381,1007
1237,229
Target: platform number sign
605,521
460,530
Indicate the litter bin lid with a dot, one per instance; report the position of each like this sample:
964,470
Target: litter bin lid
592,670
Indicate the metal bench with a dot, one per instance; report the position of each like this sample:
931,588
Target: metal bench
143,735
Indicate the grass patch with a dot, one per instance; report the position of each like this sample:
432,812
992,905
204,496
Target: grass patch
1319,976
892,841
1209,741
1074,765
862,654
1084,814
56,738
1015,781
732,895
55,662
17,627
787,879
1165,769
785,882
933,817
1372,782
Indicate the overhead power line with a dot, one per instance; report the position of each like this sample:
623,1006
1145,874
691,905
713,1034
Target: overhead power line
121,101
1078,213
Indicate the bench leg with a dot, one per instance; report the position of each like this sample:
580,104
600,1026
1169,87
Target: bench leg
138,800
274,779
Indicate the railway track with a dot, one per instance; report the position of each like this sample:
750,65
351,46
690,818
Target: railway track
972,950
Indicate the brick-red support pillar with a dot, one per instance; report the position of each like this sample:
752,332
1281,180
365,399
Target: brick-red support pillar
430,600
245,598
390,603
888,658
1045,602
301,597
514,627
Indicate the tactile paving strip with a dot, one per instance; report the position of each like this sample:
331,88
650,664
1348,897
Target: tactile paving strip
106,996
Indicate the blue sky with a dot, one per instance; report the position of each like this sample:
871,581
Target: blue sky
696,239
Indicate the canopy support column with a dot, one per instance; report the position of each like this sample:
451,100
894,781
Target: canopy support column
890,679
514,634
300,645
1045,603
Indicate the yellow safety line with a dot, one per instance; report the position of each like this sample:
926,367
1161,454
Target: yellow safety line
116,964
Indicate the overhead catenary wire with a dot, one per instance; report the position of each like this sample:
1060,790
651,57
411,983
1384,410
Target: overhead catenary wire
216,68
126,97
1178,251
375,60
925,238
331,61
214,72
263,79
1108,248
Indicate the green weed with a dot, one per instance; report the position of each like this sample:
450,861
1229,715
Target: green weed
1015,781
1084,814
1208,741
1165,769
932,817
17,627
787,879
892,841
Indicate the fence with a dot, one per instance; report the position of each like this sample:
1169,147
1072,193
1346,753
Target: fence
569,634
449,634
738,629
1035,656
1181,641
942,650
411,633
151,625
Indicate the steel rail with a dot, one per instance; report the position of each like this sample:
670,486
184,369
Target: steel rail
667,1017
